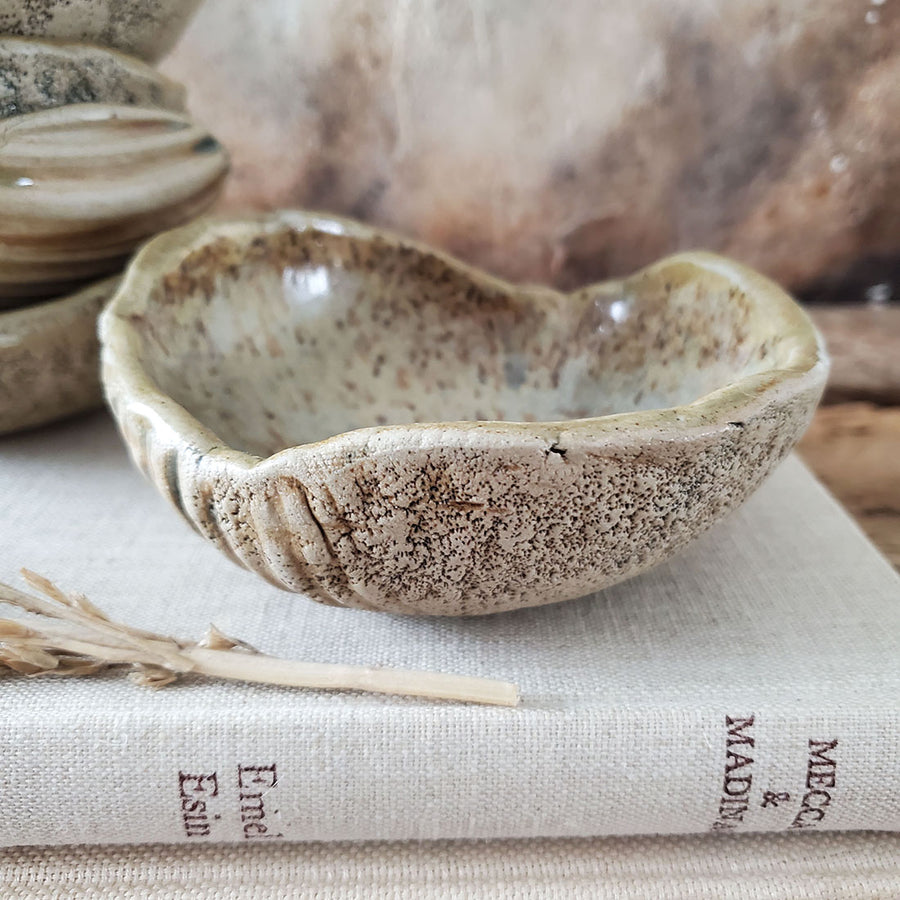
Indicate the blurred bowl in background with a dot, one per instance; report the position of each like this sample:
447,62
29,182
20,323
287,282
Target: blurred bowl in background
49,358
144,28
40,75
82,185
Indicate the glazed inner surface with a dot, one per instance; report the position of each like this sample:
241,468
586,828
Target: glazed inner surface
301,335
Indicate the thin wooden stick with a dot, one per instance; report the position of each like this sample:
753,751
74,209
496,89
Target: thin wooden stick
81,640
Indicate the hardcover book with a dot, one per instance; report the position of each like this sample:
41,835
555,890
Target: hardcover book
849,865
751,684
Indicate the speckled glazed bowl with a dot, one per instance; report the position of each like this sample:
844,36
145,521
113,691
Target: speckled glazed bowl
367,421
144,28
49,358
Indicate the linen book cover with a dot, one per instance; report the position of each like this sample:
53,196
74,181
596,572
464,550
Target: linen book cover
846,865
751,684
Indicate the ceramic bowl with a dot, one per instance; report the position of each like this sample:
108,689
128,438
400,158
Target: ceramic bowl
144,28
49,358
359,418
40,75
82,185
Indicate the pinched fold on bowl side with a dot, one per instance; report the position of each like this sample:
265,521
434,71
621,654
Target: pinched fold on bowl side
213,364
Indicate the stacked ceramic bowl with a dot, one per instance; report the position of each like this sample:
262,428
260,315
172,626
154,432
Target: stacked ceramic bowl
97,154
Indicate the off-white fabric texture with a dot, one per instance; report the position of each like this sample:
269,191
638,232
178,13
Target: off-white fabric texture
784,613
849,866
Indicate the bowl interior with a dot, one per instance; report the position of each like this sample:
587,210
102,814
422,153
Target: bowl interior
294,336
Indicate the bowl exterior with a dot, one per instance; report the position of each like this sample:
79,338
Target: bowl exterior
463,518
445,521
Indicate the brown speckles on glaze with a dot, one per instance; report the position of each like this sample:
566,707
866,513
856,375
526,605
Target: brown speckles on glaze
401,330
611,437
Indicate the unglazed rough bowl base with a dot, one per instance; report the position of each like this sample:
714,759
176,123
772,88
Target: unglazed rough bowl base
49,358
364,420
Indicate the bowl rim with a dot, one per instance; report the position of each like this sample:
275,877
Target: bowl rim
719,410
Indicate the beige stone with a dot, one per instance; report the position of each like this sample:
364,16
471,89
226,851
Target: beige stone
365,420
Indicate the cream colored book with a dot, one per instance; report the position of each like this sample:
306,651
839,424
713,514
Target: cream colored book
806,866
751,684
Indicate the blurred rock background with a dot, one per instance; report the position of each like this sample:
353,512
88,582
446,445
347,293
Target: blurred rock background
571,141
567,142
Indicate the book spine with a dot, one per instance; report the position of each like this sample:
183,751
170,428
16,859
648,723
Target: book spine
275,772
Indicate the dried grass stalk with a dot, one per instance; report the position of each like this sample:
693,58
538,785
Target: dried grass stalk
71,636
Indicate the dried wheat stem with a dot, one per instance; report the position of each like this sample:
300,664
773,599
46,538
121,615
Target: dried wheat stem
76,608
81,640
410,683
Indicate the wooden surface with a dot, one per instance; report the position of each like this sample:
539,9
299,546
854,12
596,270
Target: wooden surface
864,345
854,448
